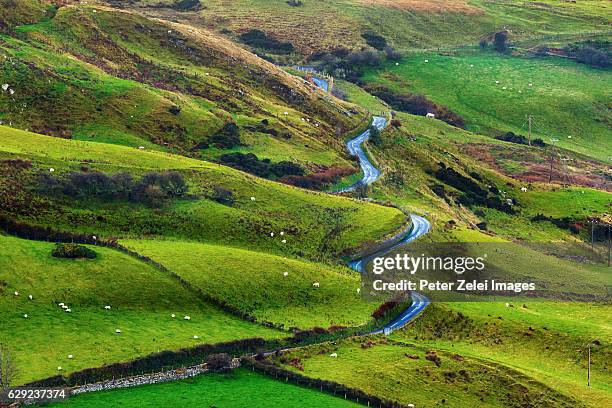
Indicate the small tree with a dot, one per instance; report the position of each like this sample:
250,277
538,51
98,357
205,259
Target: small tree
500,41
375,136
483,43
216,362
8,368
361,191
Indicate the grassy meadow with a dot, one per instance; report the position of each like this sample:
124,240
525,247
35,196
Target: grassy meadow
142,300
254,283
568,101
239,388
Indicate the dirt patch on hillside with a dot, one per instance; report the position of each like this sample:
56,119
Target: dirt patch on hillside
433,6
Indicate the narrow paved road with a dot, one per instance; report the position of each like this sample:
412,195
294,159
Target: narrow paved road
370,173
420,226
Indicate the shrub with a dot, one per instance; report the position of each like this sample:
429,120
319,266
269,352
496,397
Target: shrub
83,184
483,43
259,39
227,137
295,3
375,136
222,195
174,109
287,168
374,40
187,5
247,162
319,180
73,251
219,361
500,41
392,54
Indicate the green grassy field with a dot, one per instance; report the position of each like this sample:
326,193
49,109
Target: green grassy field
565,98
254,283
490,355
239,388
142,301
277,207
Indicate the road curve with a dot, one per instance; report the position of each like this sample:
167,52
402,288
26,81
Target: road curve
370,172
420,227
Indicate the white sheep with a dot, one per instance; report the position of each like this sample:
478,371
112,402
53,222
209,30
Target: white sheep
187,317
252,198
196,337
282,232
334,355
430,115
410,405
524,189
503,87
316,284
530,84
64,306
16,293
285,113
5,87
61,304
70,356
284,241
397,64
30,297
173,315
286,274
68,310
358,290
117,331
497,82
271,234
507,304
51,170
426,60
141,147
59,368
25,316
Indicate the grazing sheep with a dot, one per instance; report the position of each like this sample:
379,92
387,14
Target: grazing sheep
410,405
530,84
430,115
286,274
173,315
271,234
358,290
25,316
334,355
497,82
507,304
252,198
5,87
284,241
70,356
426,60
503,87
524,189
141,147
117,331
30,297
61,304
107,307
316,284
16,293
282,232
64,306
285,113
195,337
397,64
187,317
68,310
59,368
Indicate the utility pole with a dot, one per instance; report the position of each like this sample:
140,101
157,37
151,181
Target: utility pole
609,245
552,159
529,119
589,369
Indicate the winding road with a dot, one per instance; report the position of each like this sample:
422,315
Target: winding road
420,227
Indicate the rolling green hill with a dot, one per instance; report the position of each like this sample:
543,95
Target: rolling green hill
142,300
96,73
495,94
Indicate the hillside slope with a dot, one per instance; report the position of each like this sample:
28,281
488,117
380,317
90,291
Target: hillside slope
97,73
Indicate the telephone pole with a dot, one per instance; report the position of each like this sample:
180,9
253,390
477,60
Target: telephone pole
589,368
530,119
552,159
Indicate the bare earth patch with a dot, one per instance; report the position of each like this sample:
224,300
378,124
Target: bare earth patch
433,6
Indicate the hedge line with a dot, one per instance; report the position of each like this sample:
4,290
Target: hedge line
330,387
153,363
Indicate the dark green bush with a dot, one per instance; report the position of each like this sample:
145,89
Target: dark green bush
73,251
227,137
